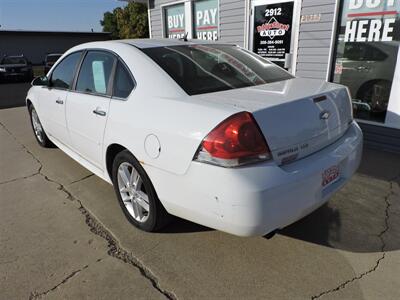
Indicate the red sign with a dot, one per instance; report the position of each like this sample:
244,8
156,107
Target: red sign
330,175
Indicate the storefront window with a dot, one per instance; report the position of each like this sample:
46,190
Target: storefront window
174,17
205,18
366,54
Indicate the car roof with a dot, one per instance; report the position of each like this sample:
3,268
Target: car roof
152,43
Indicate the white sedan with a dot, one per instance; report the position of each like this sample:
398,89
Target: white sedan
208,132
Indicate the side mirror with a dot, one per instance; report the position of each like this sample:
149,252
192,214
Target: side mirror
40,81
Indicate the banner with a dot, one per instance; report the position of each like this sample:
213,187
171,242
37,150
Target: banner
175,21
206,19
371,20
273,30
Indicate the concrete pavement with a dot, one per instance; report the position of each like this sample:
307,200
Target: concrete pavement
63,236
13,94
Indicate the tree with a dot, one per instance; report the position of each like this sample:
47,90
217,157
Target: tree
129,22
109,24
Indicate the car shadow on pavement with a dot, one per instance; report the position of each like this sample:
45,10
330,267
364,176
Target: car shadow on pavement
179,225
364,216
354,219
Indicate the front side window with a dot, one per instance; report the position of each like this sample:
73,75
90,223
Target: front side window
64,72
123,83
367,46
95,73
209,68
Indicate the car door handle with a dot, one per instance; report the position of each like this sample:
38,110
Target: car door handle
99,112
59,101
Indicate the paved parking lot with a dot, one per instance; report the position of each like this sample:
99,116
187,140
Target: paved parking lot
63,235
13,94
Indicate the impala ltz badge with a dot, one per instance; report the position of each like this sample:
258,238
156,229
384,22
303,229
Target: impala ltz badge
324,115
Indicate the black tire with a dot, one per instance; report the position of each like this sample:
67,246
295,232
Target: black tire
43,140
157,216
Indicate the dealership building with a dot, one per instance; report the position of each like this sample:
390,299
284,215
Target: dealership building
351,42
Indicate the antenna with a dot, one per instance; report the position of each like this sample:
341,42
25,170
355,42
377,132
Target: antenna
184,38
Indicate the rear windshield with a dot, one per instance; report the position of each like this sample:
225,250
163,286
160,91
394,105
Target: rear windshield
202,69
13,61
52,58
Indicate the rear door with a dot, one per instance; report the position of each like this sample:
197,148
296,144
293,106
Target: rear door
54,97
88,105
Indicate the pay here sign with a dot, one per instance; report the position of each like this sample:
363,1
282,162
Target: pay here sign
206,19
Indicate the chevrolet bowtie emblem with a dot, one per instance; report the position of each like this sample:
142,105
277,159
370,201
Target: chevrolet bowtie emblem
324,115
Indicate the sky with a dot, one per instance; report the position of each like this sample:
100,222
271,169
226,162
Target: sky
54,15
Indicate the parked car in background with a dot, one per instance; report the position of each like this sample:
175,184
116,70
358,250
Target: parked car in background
367,69
15,68
208,132
49,61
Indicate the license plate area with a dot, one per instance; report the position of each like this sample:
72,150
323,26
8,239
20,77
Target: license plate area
330,175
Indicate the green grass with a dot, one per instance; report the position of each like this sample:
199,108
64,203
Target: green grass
38,71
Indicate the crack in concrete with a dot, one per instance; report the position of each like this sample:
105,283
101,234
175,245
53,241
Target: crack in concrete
383,247
114,248
116,251
82,179
19,178
36,295
9,261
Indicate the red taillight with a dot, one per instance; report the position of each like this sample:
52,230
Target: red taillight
237,139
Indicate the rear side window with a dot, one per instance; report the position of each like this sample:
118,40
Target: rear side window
64,73
95,73
123,83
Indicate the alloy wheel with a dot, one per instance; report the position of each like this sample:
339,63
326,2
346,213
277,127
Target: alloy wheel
37,126
133,193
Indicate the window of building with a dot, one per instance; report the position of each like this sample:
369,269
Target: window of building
366,56
95,73
198,19
205,19
174,19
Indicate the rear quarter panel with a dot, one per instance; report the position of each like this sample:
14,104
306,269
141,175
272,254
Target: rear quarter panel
160,107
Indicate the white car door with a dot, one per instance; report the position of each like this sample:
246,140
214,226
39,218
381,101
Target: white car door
54,97
88,105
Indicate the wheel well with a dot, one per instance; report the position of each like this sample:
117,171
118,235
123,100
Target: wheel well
112,151
28,103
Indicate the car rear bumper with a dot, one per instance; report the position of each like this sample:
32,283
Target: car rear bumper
261,198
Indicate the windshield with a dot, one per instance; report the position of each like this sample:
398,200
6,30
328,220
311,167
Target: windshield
202,69
52,58
13,61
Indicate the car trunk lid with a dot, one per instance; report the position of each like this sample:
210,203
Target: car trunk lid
297,117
